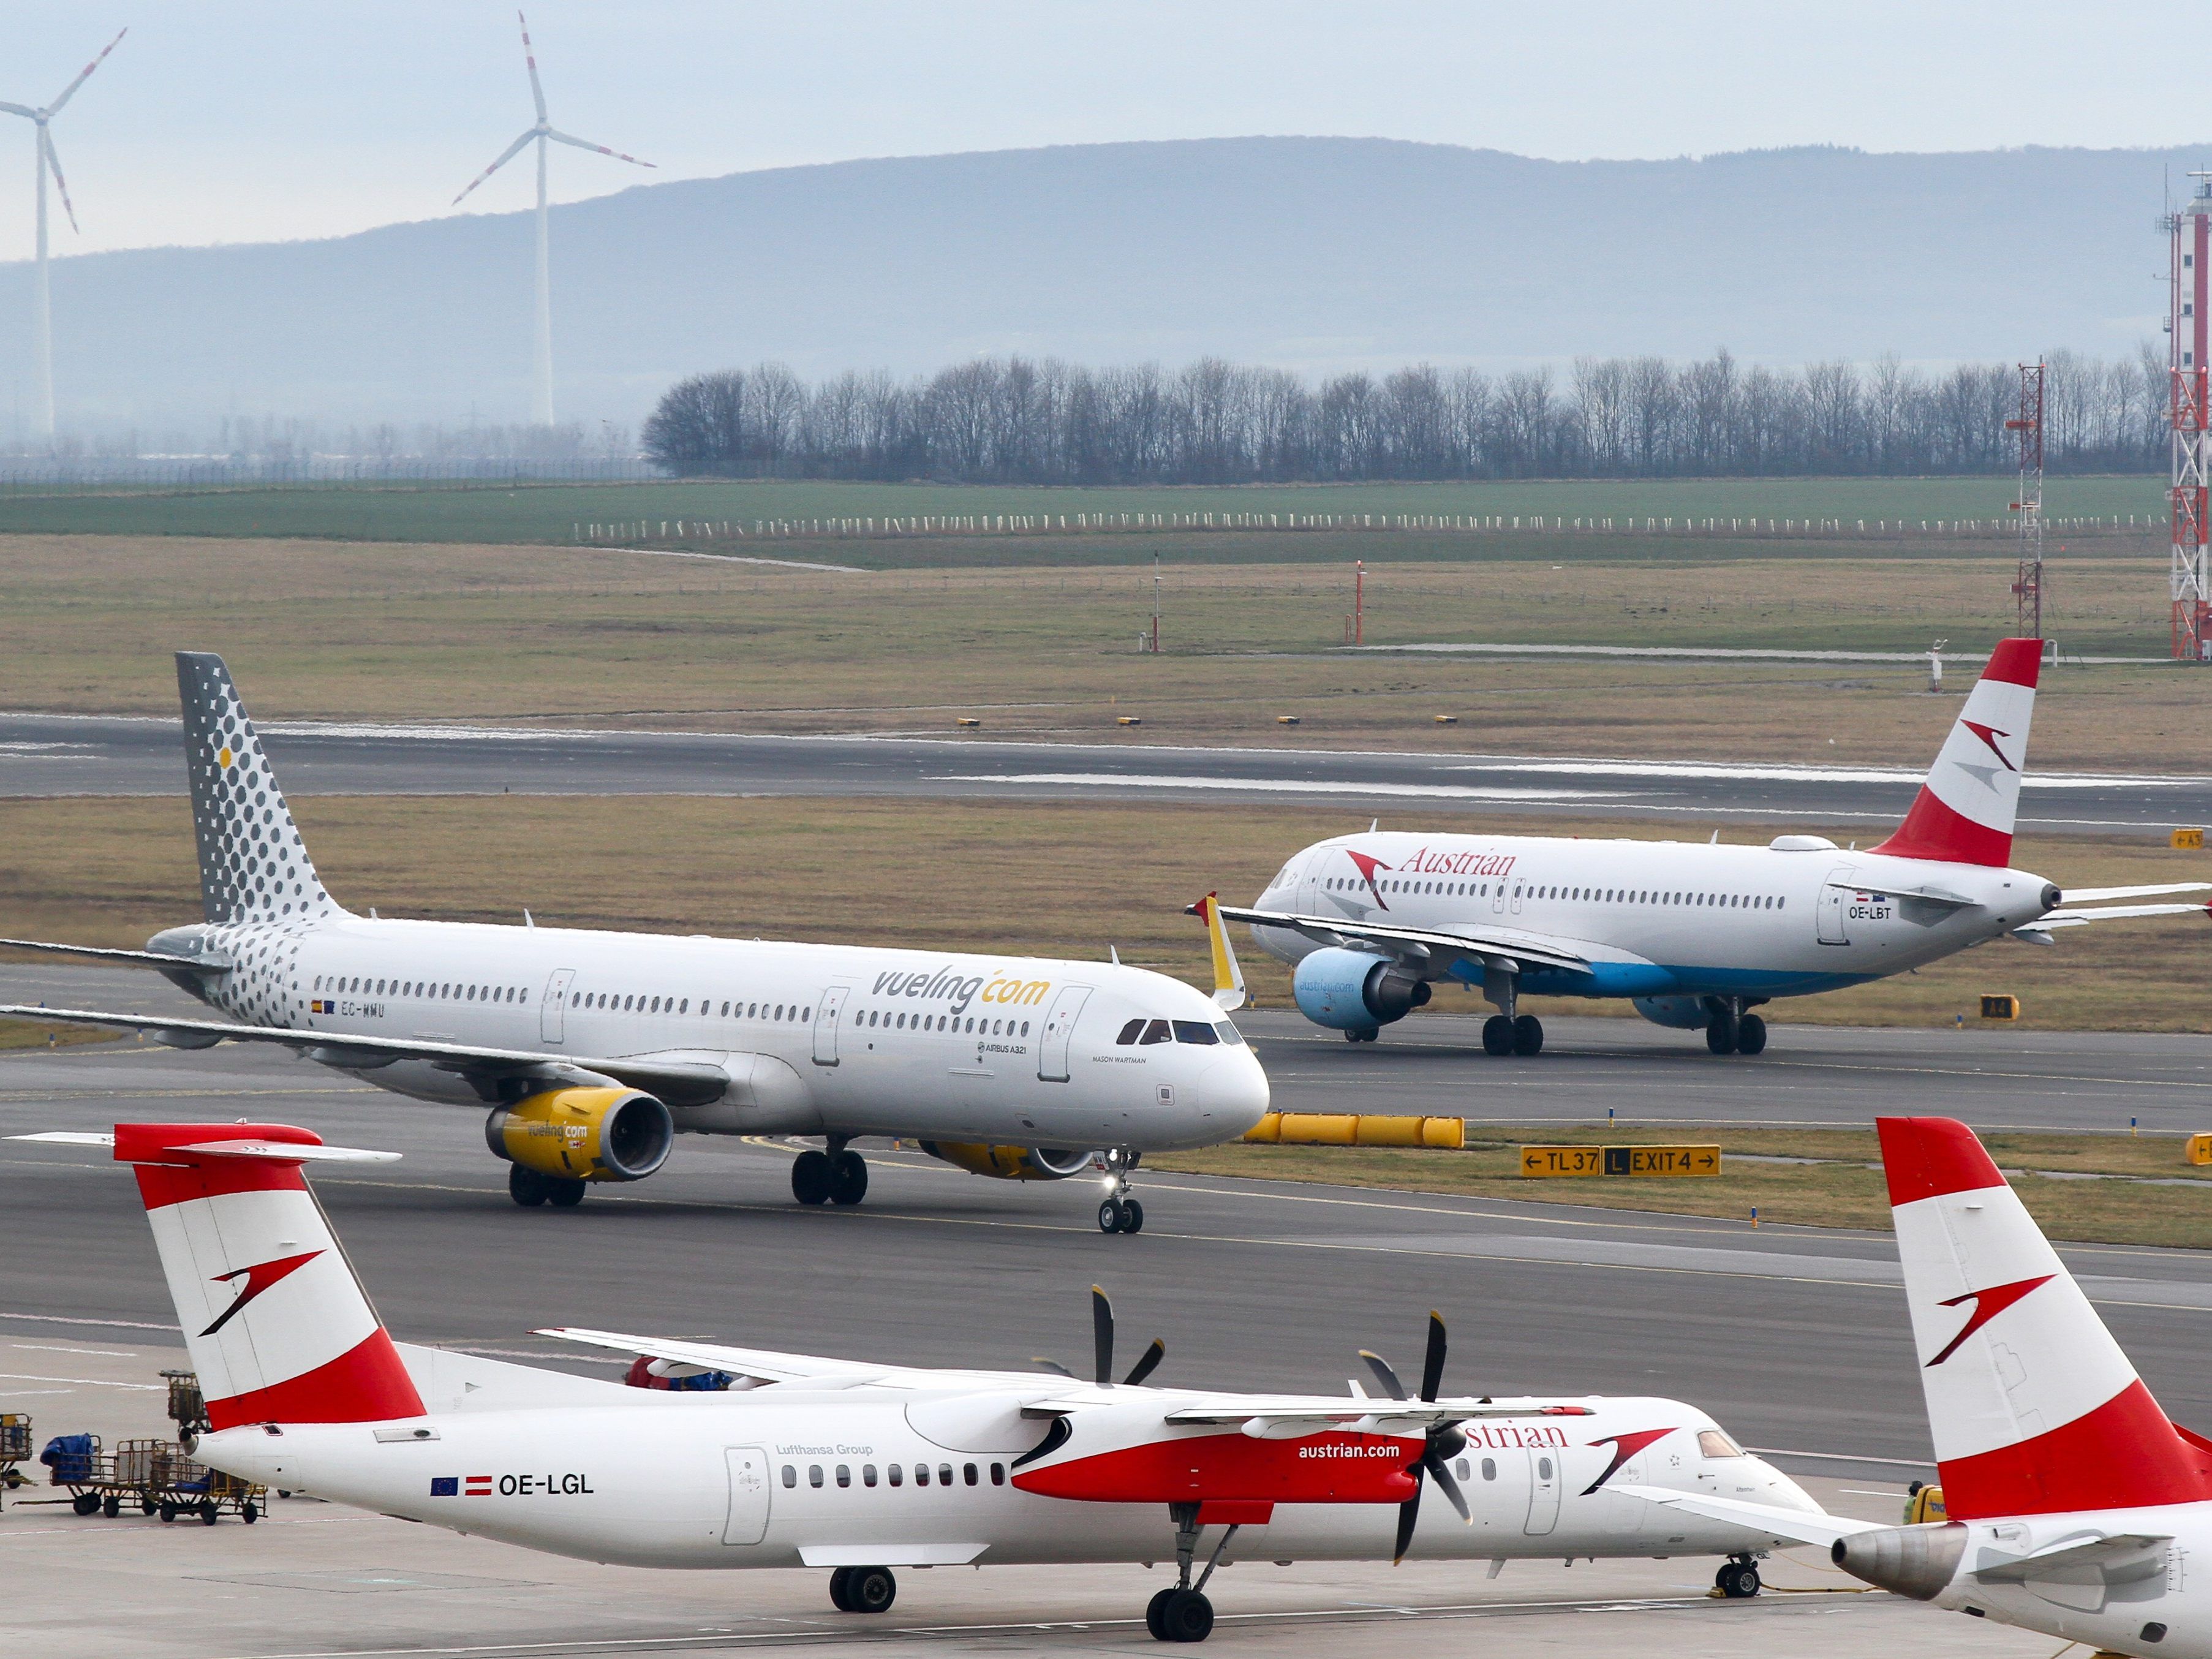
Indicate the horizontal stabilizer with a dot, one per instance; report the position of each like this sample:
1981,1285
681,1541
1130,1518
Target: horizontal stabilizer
2098,895
270,1151
213,963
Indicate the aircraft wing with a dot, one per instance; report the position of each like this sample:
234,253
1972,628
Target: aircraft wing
2070,918
213,963
2098,895
679,1083
1787,1525
763,1363
1420,946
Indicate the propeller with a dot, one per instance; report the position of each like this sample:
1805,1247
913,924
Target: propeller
1442,1443
1102,1343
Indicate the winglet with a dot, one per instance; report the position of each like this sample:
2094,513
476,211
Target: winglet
1228,977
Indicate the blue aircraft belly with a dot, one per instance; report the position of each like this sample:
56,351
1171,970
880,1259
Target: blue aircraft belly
1653,979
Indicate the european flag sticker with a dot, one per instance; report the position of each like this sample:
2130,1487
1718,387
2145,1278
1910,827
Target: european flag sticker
446,1485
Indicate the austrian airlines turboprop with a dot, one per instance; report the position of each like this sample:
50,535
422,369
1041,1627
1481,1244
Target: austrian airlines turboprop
1696,935
592,1051
2075,1505
860,1469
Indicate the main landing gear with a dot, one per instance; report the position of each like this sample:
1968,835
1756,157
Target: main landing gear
1502,1035
530,1189
863,1590
1738,1579
1121,1213
836,1176
1731,1030
1182,1613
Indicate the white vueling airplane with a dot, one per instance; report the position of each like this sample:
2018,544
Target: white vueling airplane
860,1469
1696,935
2074,1503
592,1051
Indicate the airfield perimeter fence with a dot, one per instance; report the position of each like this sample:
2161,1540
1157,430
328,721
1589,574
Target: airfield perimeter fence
697,532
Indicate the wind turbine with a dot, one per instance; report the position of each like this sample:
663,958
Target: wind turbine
42,345
542,402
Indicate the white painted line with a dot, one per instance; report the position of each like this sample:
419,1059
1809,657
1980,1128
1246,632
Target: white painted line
1613,768
1719,653
1279,785
724,558
83,1382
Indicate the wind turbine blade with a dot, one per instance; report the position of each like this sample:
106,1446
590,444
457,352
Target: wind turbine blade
18,109
530,59
69,91
599,150
505,156
47,142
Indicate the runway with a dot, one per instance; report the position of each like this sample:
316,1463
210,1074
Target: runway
46,754
1796,1338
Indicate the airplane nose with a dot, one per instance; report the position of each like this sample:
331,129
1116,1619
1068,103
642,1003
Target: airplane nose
1234,1093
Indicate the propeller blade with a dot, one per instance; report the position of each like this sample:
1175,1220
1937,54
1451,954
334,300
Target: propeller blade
530,59
1101,1335
1052,1365
505,156
1435,1465
69,91
1432,1363
597,149
1147,1363
1447,1440
1409,1512
1385,1375
54,162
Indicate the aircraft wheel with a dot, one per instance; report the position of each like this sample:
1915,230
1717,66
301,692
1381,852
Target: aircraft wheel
566,1194
869,1589
1498,1035
848,1178
1187,1617
838,1581
1528,1034
526,1187
1110,1216
1737,1580
1154,1610
1751,1035
1133,1216
810,1177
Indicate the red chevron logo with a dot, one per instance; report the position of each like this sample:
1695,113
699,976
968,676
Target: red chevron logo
258,1278
1367,867
1625,1446
1987,1304
1989,734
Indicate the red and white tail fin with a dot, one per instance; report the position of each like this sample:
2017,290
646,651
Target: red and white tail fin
2032,1406
278,1326
1965,811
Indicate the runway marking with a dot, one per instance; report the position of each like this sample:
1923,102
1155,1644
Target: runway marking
1758,774
1276,785
105,1324
83,1382
727,558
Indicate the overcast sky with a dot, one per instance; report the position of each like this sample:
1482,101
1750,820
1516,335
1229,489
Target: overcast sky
246,120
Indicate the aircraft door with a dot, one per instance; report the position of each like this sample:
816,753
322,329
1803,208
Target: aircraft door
1830,907
553,1006
826,1015
746,1522
1059,1031
1543,1492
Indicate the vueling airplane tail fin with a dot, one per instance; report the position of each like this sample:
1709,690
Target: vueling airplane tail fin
2033,1406
277,1327
1965,811
254,864
1228,977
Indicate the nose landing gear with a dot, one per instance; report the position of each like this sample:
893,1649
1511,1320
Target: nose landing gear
1121,1213
1182,1613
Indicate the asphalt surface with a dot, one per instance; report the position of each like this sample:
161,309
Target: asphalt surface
99,755
1796,1338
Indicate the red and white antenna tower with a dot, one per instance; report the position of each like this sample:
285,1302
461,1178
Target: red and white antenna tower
2029,585
2192,443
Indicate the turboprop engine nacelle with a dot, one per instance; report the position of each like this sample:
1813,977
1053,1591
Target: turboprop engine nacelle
1355,991
583,1134
1010,1163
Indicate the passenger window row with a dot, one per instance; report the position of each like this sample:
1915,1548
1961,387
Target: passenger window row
1489,1469
1143,1033
873,1018
781,1010
969,1475
1579,894
363,985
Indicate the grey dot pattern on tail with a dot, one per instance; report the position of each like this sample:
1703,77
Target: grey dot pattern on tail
254,867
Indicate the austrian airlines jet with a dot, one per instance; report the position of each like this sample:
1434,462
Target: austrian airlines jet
860,1469
1696,935
591,1051
2075,1505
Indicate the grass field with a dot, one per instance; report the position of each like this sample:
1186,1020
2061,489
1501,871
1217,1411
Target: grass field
322,630
550,513
1050,879
1839,1184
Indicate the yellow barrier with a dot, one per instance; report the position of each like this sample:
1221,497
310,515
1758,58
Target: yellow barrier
2189,841
1551,1163
2000,1007
2199,1150
1345,1129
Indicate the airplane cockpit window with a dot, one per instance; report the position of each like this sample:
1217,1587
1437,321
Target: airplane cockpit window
1713,1443
1195,1031
1229,1034
1156,1031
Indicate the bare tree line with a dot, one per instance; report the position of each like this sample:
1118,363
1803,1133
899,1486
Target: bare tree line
1016,420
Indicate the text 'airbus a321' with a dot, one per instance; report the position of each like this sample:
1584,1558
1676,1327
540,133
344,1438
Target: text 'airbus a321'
592,1051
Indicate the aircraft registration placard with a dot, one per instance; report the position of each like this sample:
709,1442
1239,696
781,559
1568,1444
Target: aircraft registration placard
1541,1162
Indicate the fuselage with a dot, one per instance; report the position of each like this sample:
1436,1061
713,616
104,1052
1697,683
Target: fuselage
818,1039
1663,919
911,1477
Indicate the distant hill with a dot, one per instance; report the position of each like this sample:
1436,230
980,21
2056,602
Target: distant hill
1312,253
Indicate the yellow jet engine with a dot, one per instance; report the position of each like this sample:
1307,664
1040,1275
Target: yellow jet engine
566,1137
1010,1163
